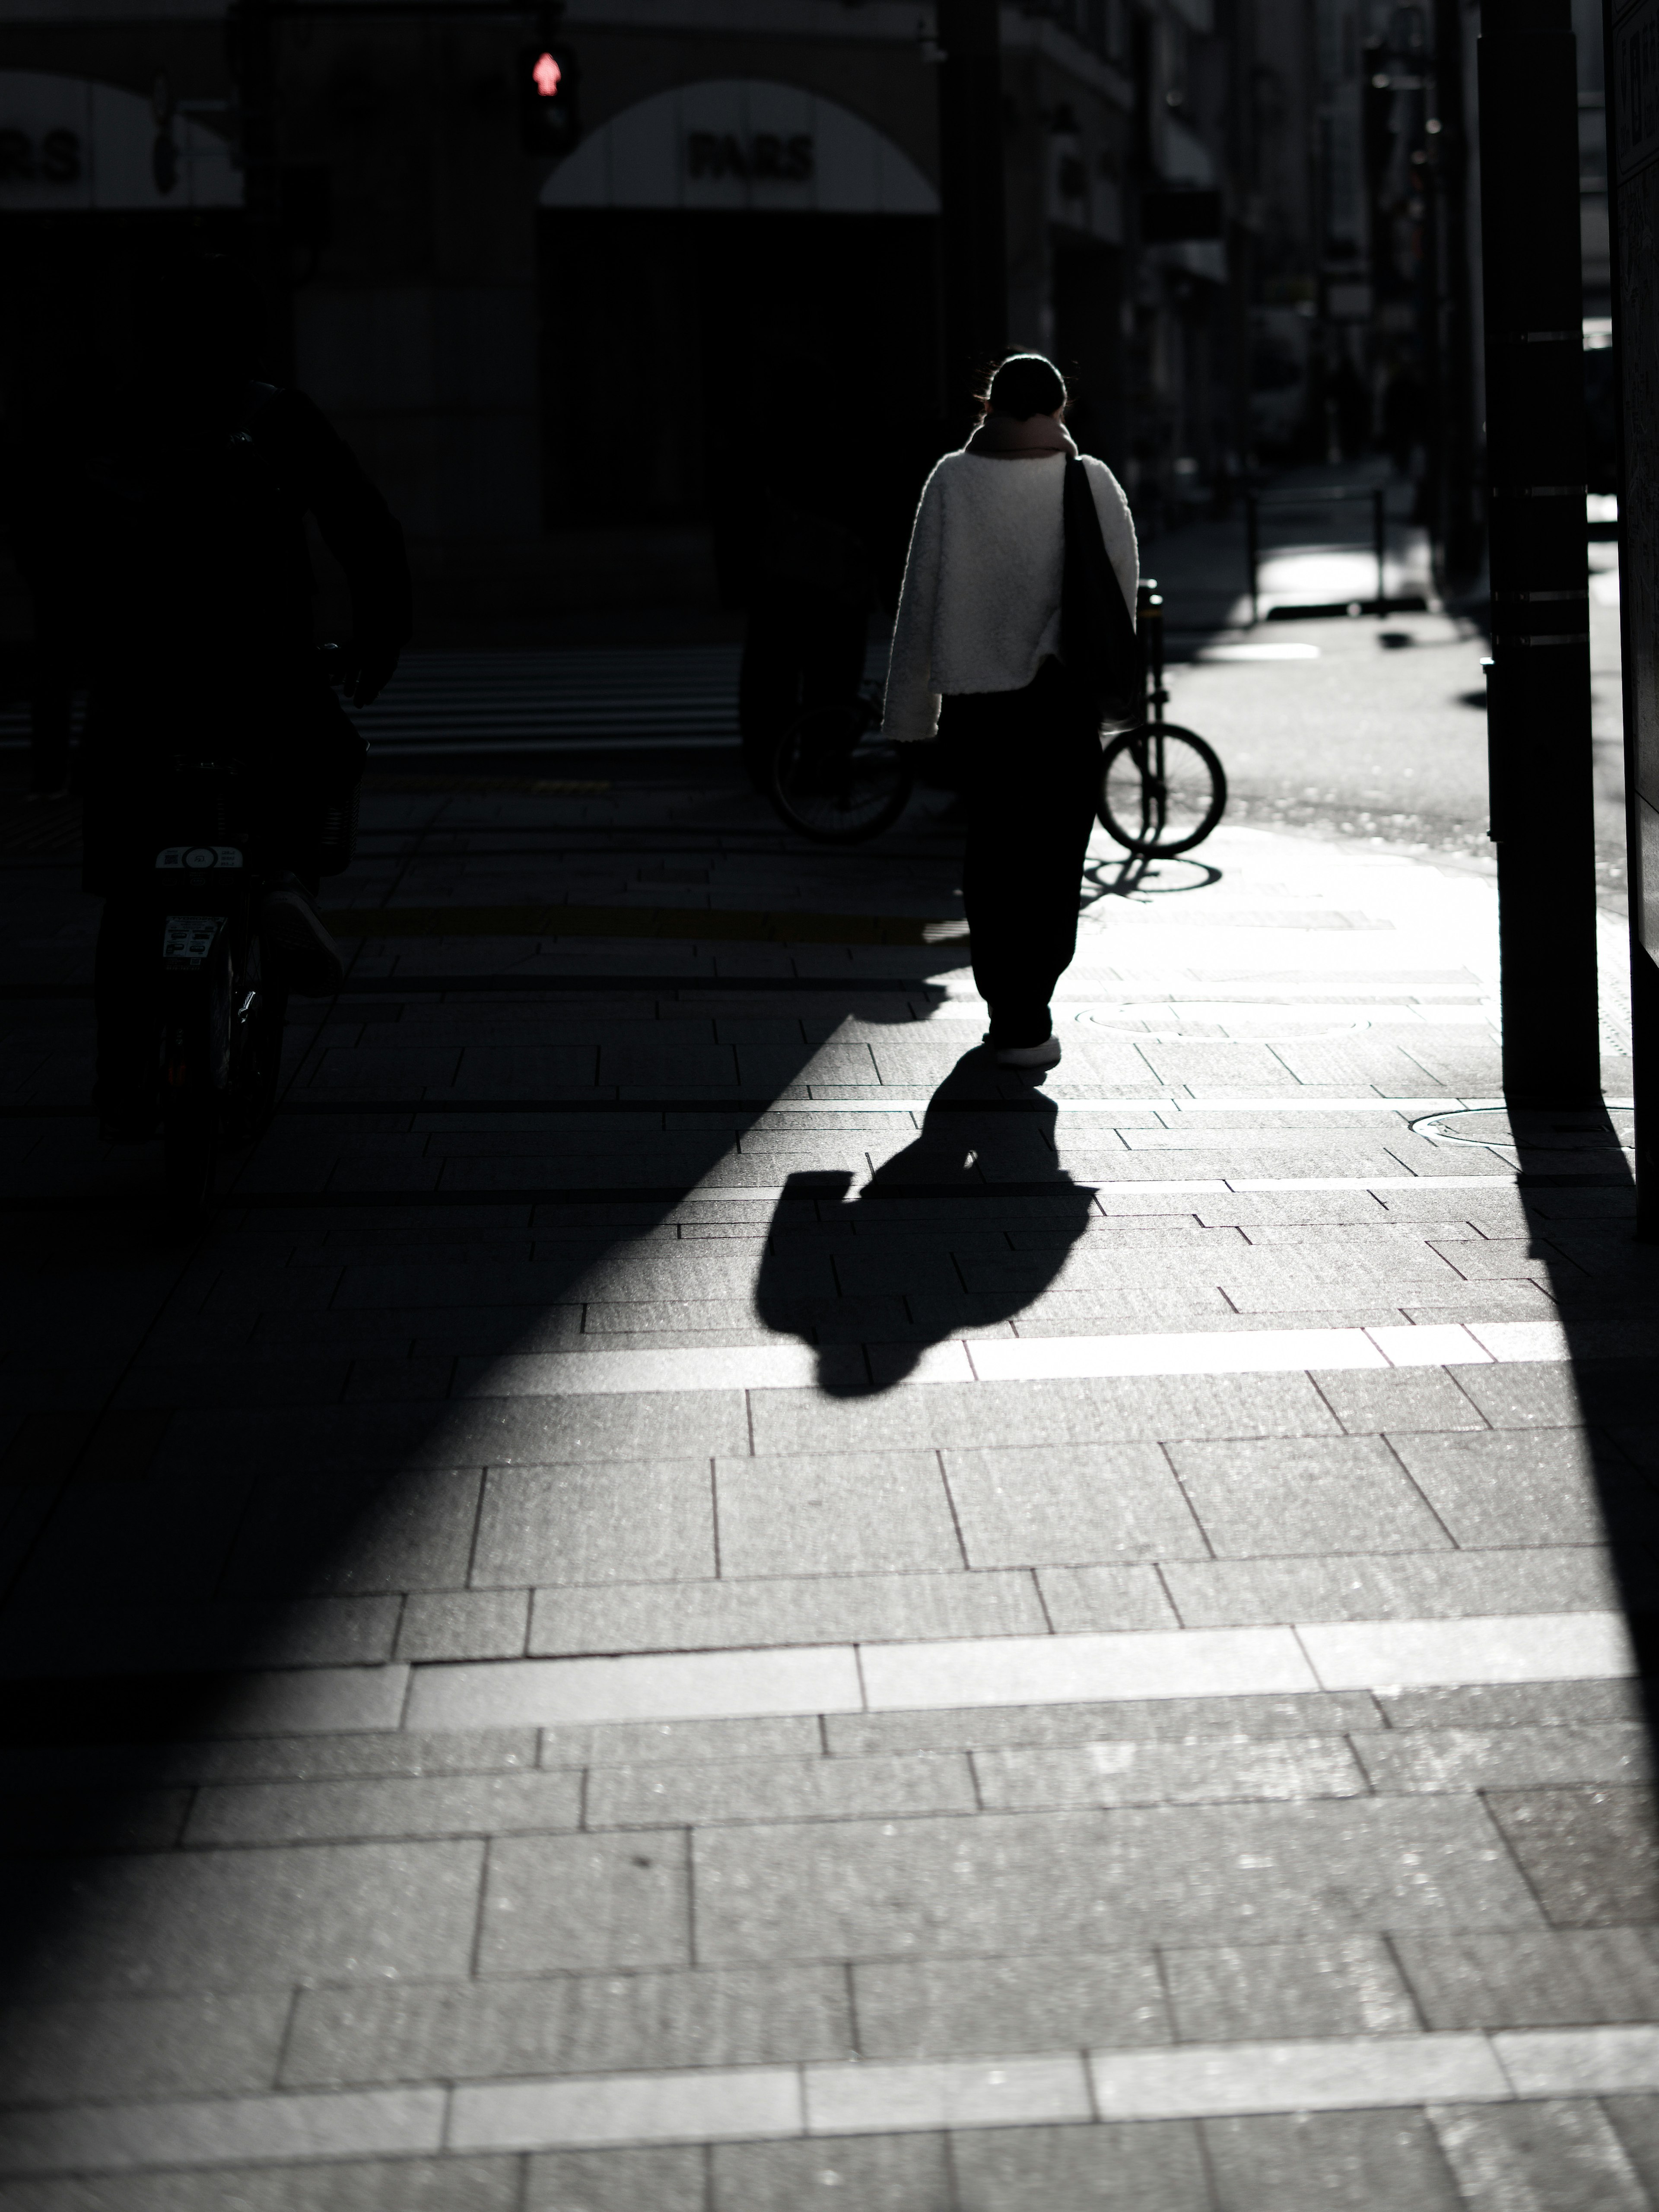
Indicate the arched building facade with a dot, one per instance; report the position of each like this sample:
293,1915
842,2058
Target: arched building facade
546,364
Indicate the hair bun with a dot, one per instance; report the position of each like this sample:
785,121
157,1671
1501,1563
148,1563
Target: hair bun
1026,384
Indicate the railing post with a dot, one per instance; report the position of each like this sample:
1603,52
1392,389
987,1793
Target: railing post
1252,548
1380,539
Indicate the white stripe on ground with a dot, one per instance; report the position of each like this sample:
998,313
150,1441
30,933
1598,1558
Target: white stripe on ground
1042,1359
830,2099
1166,1104
1152,1105
715,1187
972,1673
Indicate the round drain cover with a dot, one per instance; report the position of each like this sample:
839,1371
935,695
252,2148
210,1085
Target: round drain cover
1531,1129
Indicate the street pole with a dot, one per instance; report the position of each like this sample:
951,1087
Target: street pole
1538,677
251,34
1630,27
974,222
1459,519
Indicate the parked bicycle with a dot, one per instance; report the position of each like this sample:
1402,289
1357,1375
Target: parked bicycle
1162,787
836,779
221,994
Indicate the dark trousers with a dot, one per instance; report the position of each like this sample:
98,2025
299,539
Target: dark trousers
1028,766
796,654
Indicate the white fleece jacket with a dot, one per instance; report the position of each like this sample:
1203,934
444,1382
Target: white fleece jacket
980,609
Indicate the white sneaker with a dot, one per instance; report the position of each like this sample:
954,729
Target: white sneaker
1046,1054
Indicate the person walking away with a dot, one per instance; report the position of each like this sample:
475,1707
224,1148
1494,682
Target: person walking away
176,517
976,657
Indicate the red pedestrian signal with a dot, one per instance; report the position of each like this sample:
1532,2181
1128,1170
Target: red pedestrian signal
549,124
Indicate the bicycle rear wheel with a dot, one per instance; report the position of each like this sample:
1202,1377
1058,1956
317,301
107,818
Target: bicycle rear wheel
837,782
256,1047
1162,789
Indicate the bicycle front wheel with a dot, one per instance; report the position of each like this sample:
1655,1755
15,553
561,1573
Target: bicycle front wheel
837,781
1162,789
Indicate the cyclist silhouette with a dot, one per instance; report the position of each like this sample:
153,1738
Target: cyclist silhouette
166,532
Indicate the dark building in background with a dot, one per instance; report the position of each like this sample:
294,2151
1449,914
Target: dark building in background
552,335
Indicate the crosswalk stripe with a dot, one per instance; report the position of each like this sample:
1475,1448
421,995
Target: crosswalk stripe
469,701
480,700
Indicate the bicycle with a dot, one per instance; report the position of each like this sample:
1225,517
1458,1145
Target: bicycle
1162,787
222,999
834,778
221,995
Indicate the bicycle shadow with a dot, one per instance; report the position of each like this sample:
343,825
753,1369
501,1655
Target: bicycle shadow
926,1252
1144,875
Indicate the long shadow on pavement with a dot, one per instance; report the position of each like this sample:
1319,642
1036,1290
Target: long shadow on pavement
935,1198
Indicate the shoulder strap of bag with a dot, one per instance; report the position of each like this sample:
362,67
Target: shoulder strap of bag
1097,634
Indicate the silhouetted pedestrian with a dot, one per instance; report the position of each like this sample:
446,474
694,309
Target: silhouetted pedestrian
165,532
975,654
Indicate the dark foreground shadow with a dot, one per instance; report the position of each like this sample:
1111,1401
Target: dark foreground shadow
1572,1460
955,1234
1578,1196
237,1481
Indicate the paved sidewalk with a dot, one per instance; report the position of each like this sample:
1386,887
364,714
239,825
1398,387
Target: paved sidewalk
695,1602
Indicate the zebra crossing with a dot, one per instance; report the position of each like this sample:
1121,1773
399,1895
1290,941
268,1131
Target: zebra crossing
466,700
610,699
586,698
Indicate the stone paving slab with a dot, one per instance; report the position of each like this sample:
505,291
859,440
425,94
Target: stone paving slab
689,1616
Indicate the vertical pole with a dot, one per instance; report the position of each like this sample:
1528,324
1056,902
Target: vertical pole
1459,520
250,36
1252,550
1632,206
973,215
1538,688
1434,498
1379,545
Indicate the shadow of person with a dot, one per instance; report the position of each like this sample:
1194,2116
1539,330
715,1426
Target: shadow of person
951,1236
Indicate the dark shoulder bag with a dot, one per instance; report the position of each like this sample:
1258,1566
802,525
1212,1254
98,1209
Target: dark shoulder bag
1098,640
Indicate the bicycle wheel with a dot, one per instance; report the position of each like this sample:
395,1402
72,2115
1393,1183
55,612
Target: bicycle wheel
189,1139
837,781
1162,789
256,1049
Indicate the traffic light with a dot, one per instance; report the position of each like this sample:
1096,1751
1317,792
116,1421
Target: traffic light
550,122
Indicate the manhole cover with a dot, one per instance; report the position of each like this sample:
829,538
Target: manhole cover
1608,1133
